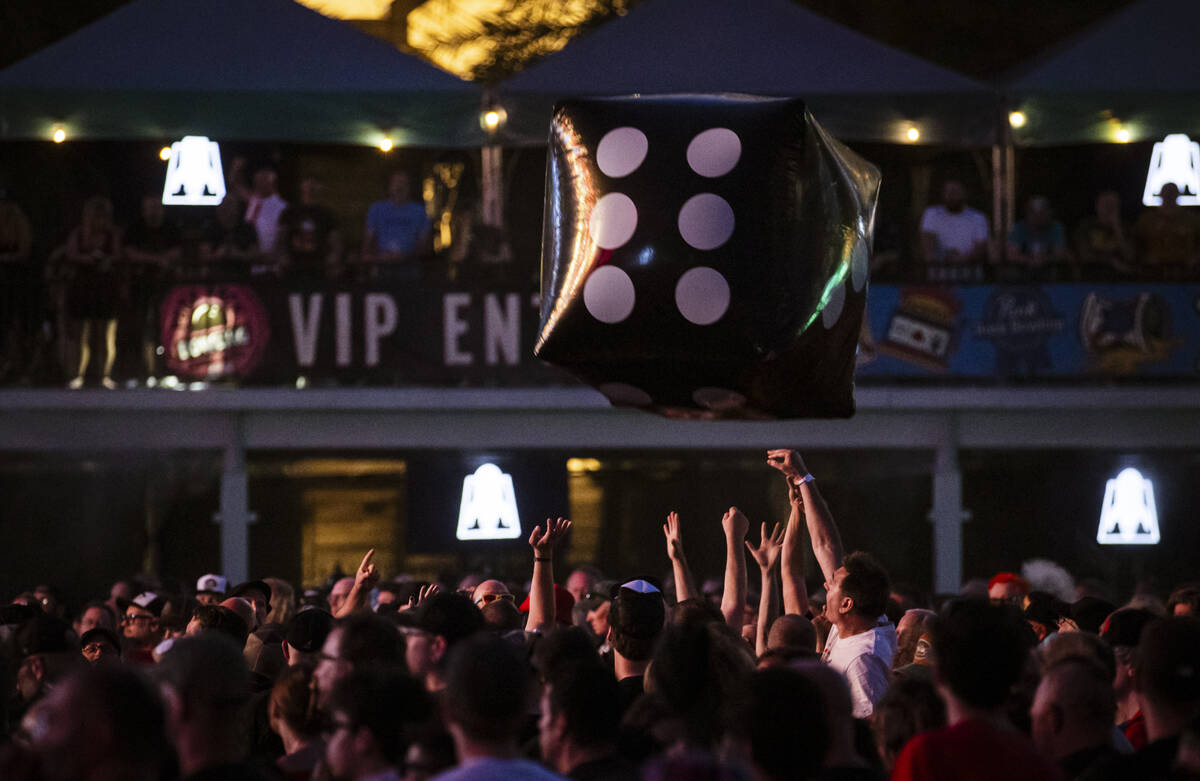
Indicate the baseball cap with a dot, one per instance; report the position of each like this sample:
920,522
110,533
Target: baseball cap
1089,613
1045,609
251,585
1125,626
100,633
212,584
564,601
147,600
308,630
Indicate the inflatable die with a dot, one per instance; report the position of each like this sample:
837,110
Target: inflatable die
705,256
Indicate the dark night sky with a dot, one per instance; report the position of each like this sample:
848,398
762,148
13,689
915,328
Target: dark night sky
981,38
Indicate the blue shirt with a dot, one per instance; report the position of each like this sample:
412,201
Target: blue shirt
397,228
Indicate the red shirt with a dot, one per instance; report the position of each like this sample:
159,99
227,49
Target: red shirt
975,750
1135,731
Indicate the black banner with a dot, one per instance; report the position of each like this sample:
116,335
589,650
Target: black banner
264,333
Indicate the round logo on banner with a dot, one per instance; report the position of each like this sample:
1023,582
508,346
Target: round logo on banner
214,331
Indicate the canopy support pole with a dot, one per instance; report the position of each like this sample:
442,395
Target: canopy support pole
234,515
947,514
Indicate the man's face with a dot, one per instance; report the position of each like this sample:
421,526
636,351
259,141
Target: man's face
340,752
29,682
419,652
833,596
264,183
550,733
208,598
579,584
140,626
262,605
953,196
92,618
339,592
68,743
1006,592
489,591
1043,714
598,618
386,598
331,668
98,649
398,187
1123,680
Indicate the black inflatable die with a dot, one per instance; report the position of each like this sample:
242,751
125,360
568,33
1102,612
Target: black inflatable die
705,256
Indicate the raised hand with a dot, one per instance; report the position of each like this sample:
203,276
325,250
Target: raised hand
543,542
766,553
674,537
367,575
423,593
788,462
735,524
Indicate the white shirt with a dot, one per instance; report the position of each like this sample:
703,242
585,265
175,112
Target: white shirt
958,232
263,214
865,660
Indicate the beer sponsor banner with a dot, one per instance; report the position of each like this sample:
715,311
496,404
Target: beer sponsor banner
1029,331
262,333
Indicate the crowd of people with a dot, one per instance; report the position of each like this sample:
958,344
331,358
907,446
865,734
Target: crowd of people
1164,242
635,677
104,274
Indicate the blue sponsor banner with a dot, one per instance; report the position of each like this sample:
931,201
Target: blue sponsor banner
1025,331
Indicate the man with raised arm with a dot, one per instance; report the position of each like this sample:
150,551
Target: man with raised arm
766,555
685,586
862,641
542,608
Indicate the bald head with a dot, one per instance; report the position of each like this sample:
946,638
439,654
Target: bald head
792,631
1073,708
489,591
911,626
338,594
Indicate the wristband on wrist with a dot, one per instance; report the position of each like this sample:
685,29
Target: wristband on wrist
808,478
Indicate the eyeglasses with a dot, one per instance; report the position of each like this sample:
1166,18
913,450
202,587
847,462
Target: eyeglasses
488,599
130,618
98,648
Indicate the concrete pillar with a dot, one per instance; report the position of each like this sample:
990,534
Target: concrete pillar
234,514
947,515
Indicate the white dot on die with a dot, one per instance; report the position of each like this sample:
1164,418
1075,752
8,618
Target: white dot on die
714,152
719,399
706,221
613,221
608,294
833,307
623,395
702,295
621,151
858,265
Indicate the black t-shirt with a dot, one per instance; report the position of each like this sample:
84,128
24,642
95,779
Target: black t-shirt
148,238
241,236
308,230
631,688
